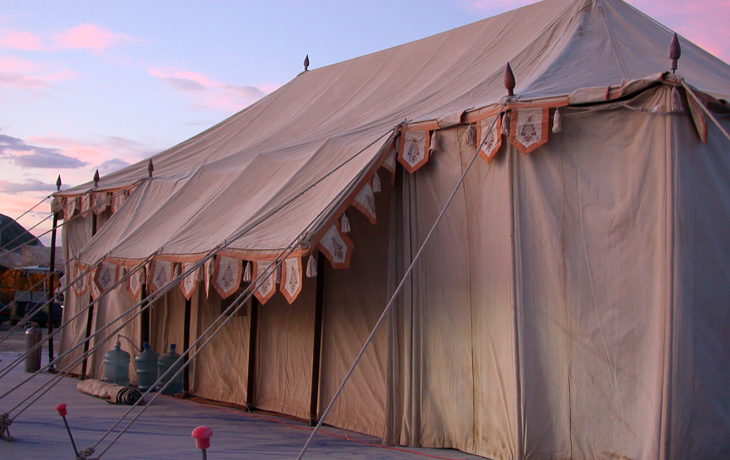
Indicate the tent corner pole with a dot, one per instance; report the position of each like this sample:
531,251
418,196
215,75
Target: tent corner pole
52,289
252,338
317,348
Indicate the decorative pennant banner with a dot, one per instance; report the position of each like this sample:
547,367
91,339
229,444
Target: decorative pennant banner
95,292
337,247
135,282
160,274
56,204
365,202
227,276
291,275
492,139
81,285
265,287
85,203
69,208
101,201
117,200
529,128
190,282
106,275
389,162
208,274
413,151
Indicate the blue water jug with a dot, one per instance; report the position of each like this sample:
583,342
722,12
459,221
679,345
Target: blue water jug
116,366
146,365
164,363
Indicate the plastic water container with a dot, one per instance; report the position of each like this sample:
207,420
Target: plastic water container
116,366
146,365
164,363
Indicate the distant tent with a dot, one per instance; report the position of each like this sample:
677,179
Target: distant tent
572,303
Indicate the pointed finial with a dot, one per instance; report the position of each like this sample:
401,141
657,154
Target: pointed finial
306,63
675,52
96,178
58,183
150,167
509,80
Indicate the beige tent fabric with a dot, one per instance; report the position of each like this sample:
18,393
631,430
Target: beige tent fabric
572,302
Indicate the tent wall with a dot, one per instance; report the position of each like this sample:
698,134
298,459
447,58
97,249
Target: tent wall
539,321
699,425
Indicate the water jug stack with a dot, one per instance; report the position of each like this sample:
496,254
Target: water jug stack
116,366
165,363
146,365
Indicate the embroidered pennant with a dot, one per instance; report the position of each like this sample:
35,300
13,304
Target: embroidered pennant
291,274
85,203
69,208
80,285
389,162
227,276
106,275
118,200
365,202
190,282
529,128
336,247
413,151
265,287
208,274
160,274
101,202
135,282
95,292
492,139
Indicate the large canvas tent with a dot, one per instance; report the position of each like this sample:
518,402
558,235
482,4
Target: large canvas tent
572,302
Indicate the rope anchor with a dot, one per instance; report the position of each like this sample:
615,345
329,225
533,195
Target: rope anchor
84,454
5,422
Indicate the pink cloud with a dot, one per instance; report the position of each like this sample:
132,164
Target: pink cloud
90,36
20,40
210,93
29,75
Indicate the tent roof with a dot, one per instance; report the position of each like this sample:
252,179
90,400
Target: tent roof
264,160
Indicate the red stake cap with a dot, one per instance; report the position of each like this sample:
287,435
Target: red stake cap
202,436
61,408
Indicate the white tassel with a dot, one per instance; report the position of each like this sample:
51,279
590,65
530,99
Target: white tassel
247,273
376,183
311,266
470,136
344,224
434,147
557,122
676,100
505,124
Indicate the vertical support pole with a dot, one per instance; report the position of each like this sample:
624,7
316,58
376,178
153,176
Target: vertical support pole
252,338
317,348
90,311
186,345
52,267
144,326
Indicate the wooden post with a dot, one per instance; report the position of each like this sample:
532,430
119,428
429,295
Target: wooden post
252,337
52,268
186,345
90,311
317,348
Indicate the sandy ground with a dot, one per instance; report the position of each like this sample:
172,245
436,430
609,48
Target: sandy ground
163,430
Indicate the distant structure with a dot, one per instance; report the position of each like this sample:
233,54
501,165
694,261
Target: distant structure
13,235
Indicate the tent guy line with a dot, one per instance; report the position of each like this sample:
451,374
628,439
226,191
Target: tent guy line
403,279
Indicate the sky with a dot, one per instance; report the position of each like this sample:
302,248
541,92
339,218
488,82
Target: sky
87,85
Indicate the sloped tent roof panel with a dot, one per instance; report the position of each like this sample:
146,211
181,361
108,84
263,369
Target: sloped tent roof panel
282,144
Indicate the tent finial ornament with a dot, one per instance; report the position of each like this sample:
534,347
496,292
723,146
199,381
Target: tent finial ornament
675,52
58,183
509,80
96,178
150,168
306,63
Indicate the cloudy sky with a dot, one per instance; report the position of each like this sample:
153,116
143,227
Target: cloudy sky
88,85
